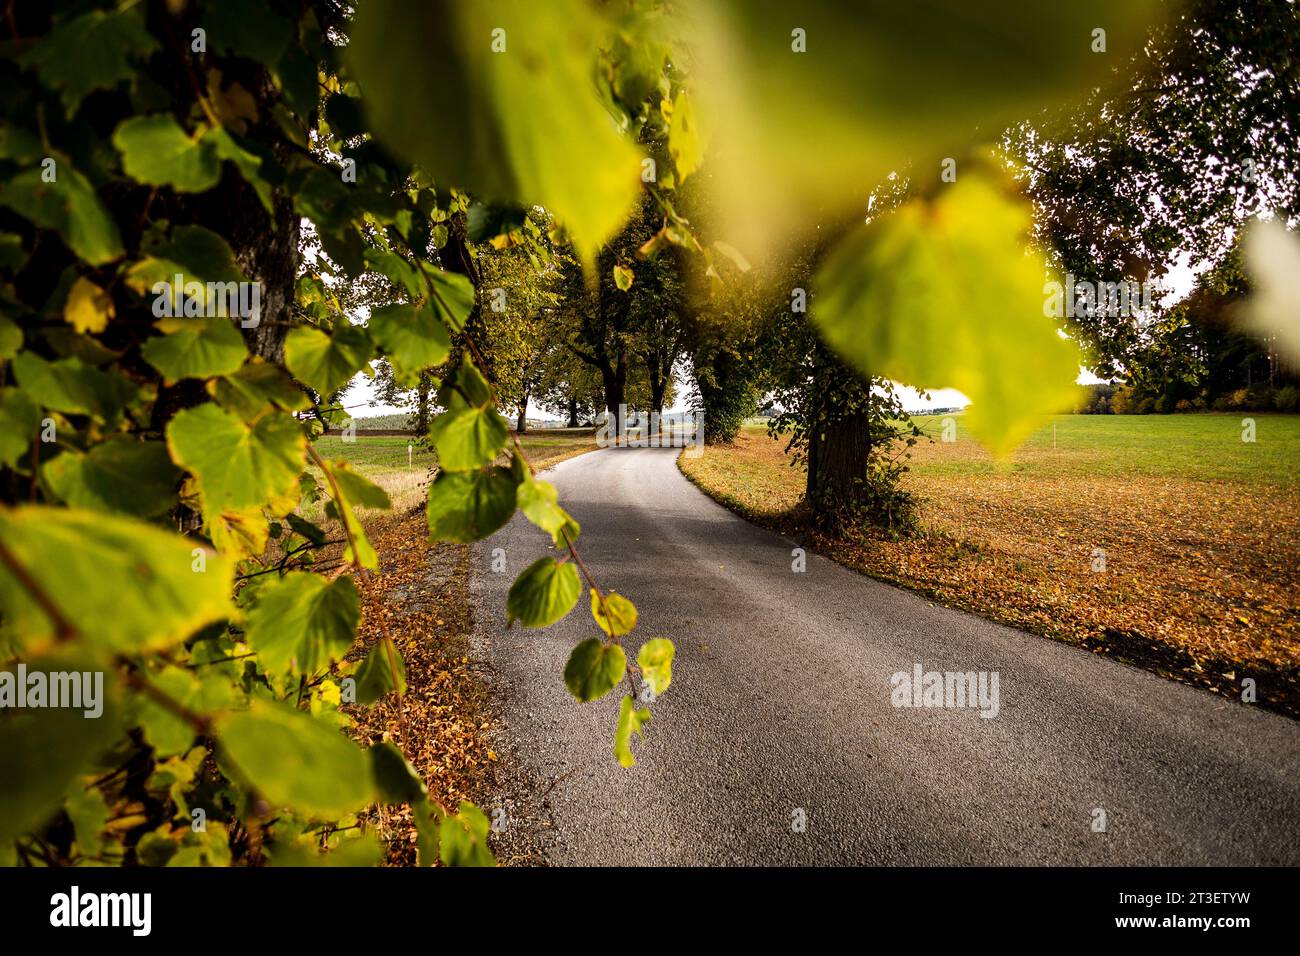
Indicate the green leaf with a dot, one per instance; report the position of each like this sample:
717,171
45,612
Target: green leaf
545,592
68,206
537,500
296,761
296,74
11,339
201,690
426,829
593,670
45,751
355,490
134,477
411,337
399,272
88,813
195,348
19,421
352,851
302,526
12,254
254,386
155,150
524,125
121,583
463,838
68,385
91,52
238,464
473,388
252,166
656,662
321,196
198,254
468,437
630,721
395,778
247,28
375,675
617,616
946,294
302,623
20,145
484,221
872,94
359,490
468,505
326,362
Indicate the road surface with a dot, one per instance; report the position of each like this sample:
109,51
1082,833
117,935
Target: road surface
778,743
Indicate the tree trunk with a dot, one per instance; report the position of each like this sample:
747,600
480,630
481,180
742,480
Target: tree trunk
838,452
573,411
521,423
422,393
267,252
615,382
658,379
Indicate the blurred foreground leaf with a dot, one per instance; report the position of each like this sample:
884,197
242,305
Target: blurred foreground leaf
943,293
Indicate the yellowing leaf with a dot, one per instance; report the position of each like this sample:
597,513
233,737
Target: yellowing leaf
616,615
630,721
88,308
684,139
656,662
622,277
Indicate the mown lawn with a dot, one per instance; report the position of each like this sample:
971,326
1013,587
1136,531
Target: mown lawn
1166,541
1205,447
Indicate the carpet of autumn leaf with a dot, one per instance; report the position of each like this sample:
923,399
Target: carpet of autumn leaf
444,723
1199,539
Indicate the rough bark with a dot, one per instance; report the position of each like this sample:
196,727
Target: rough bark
838,452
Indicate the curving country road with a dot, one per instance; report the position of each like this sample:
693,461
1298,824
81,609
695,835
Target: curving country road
780,711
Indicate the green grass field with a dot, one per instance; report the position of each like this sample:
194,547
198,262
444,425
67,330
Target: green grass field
377,454
1205,447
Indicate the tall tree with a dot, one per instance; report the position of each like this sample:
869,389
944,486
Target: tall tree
1200,136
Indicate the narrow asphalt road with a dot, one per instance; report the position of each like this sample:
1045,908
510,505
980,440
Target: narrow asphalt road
780,713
